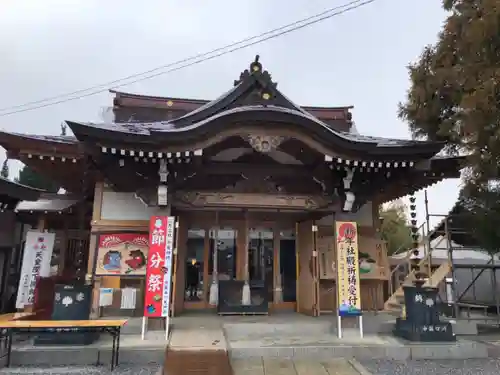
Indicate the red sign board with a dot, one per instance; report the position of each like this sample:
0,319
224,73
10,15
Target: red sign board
159,266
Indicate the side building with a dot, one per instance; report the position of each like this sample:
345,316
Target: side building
256,183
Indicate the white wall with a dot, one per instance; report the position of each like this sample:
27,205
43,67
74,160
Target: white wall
363,217
124,206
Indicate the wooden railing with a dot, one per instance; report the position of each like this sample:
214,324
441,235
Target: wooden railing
425,241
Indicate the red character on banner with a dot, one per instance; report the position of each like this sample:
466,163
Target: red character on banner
347,232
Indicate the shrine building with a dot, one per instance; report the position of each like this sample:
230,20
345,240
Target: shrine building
255,182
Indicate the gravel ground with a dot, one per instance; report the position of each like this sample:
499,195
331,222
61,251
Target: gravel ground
123,369
437,367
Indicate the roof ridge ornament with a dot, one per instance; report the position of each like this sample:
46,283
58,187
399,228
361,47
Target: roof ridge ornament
256,66
262,77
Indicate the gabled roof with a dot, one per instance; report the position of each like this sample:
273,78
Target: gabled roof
62,145
340,115
253,100
171,102
49,202
18,192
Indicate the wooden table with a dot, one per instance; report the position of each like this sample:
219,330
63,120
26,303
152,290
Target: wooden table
113,327
15,316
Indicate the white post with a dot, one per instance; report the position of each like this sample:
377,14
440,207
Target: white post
167,326
449,290
339,326
360,326
143,331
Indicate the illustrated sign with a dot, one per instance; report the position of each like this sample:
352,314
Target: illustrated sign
122,254
38,250
159,266
349,300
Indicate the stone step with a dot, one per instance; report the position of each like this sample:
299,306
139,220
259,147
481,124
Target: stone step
235,331
153,369
132,350
197,362
197,350
282,366
83,356
395,305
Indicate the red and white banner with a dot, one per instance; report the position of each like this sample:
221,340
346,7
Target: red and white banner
159,266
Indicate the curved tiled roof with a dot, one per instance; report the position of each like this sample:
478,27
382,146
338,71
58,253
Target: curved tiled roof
255,100
17,191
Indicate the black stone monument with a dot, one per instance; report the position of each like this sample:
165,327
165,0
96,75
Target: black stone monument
422,321
230,298
71,302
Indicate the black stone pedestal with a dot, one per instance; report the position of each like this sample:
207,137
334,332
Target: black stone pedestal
422,321
71,302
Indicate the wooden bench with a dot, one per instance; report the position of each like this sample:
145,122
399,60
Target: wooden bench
11,317
113,327
15,316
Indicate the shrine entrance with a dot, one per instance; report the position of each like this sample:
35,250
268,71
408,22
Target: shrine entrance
231,263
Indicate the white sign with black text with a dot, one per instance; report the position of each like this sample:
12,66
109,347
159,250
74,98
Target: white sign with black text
37,255
167,277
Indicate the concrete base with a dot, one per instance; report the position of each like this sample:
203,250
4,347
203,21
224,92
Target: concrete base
287,336
132,351
460,327
277,366
368,348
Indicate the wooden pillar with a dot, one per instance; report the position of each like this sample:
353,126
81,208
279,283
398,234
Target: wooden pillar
307,287
213,294
63,249
42,223
242,231
178,275
90,277
315,269
246,298
278,287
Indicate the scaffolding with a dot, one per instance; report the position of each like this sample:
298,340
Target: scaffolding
472,288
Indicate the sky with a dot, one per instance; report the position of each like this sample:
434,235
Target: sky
359,58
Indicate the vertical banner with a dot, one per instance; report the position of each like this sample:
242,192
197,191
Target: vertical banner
37,255
159,267
349,301
167,276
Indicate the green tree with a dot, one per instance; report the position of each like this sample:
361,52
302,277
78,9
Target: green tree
29,177
394,227
5,169
479,217
455,91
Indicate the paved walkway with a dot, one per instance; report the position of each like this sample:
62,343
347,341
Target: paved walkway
268,366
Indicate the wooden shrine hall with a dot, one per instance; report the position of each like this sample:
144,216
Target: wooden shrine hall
255,182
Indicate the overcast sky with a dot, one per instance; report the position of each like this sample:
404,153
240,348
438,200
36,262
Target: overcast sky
359,58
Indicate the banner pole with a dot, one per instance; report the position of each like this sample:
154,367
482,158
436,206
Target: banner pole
143,331
167,325
339,326
361,326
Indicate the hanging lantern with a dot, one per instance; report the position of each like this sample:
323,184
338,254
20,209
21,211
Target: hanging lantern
415,257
